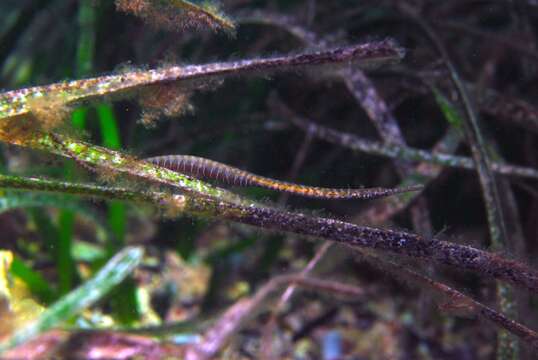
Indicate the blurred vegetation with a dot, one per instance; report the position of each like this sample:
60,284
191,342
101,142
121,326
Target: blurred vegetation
132,272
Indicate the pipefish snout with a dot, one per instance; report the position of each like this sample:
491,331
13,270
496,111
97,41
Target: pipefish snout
212,170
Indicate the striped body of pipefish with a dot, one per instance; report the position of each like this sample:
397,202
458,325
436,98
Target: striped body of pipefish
212,170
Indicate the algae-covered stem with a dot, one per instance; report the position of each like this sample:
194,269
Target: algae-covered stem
393,151
114,163
20,102
397,242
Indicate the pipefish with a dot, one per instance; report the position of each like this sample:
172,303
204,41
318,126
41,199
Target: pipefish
202,168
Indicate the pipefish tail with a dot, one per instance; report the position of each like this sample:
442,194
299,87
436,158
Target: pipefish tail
212,170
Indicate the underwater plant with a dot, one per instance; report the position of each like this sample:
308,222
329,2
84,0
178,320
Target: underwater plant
122,293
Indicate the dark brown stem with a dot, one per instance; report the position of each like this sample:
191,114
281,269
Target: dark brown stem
396,242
